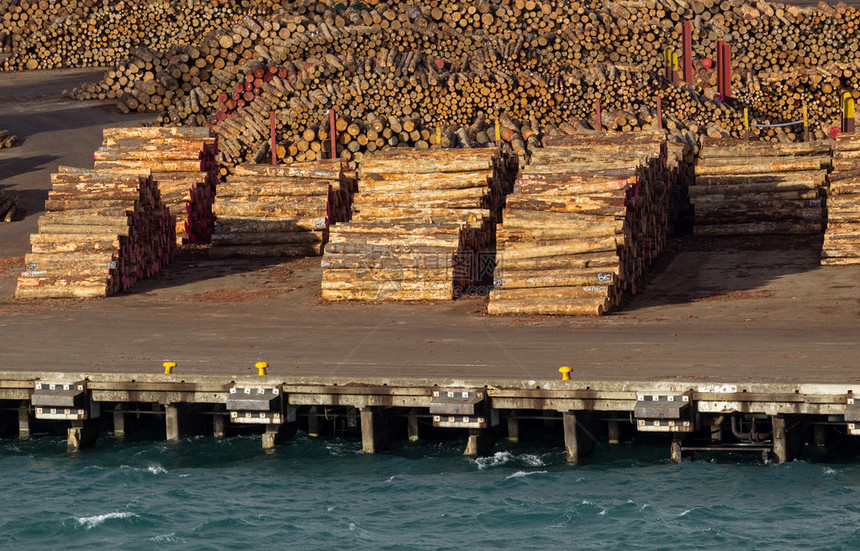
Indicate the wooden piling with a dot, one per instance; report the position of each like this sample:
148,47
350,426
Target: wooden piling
24,421
119,421
578,439
481,442
82,434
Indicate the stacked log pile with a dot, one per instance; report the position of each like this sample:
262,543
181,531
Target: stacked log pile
7,140
280,210
423,226
84,33
446,64
101,232
749,188
182,161
842,237
8,207
587,216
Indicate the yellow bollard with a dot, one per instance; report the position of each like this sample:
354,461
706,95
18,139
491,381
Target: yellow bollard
261,368
565,373
168,367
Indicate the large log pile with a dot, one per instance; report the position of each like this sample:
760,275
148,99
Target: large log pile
181,160
85,33
281,210
101,232
7,140
746,188
587,215
842,237
423,226
445,64
8,207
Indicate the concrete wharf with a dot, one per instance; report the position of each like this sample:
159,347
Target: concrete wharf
746,344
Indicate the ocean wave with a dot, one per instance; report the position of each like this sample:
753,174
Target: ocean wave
164,538
532,460
96,520
523,474
496,460
154,468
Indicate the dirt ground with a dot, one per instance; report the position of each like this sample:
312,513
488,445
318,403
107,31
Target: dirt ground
744,310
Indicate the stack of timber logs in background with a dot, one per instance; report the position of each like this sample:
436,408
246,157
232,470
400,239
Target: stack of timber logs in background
101,232
281,210
182,161
8,207
7,140
842,237
449,63
748,188
588,214
423,225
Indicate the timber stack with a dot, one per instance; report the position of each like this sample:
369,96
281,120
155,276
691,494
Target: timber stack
281,210
842,236
181,160
423,225
8,207
102,231
755,188
7,140
587,216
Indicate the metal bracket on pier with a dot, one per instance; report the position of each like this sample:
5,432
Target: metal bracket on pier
462,409
663,413
63,401
259,406
852,416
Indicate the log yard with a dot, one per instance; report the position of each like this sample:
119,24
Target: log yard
617,217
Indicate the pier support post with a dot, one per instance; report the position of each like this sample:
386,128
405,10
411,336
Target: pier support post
513,427
119,422
785,438
173,421
373,430
24,421
614,431
219,421
412,425
278,434
82,434
578,438
481,442
313,422
820,436
676,454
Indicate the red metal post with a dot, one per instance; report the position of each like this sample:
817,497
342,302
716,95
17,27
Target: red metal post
688,51
274,142
727,68
720,73
659,113
599,125
332,130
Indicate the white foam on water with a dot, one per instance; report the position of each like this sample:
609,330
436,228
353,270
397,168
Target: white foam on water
164,538
532,460
352,527
523,474
829,471
496,460
96,520
156,469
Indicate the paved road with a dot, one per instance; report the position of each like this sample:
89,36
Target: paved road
716,310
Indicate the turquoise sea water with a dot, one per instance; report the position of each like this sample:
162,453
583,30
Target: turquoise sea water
323,493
